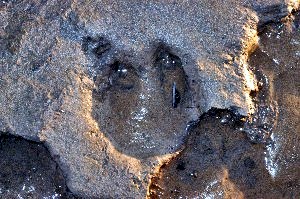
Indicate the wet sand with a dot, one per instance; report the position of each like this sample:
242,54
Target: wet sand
110,130
29,171
225,157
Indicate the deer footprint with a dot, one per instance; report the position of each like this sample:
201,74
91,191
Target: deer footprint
143,110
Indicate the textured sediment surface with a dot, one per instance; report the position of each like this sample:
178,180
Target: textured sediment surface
227,157
28,171
111,88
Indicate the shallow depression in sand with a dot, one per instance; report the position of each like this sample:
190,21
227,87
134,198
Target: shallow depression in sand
143,109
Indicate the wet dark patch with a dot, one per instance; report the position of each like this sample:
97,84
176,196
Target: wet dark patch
181,166
259,125
213,148
28,171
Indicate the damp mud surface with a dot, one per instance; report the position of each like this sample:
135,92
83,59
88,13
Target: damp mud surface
277,64
29,171
254,157
219,161
158,99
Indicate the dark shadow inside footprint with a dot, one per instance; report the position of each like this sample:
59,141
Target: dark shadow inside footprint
172,75
143,110
123,77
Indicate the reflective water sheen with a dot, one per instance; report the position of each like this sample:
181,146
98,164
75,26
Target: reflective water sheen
277,59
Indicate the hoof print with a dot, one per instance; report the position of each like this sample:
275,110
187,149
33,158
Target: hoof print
142,111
